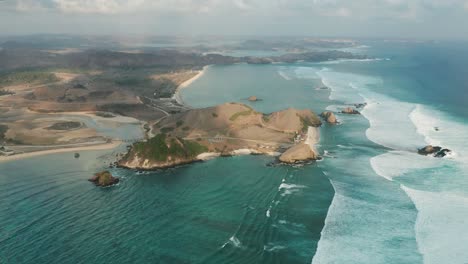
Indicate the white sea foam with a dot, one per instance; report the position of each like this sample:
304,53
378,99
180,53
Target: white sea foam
343,85
284,75
327,154
397,163
441,226
287,189
403,127
273,247
286,186
284,222
452,133
424,124
306,73
233,241
358,231
390,126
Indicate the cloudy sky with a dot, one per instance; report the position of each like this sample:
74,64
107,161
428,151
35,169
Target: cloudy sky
432,19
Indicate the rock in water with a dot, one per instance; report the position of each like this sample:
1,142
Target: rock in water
104,179
350,111
329,117
435,151
253,98
442,153
299,153
360,105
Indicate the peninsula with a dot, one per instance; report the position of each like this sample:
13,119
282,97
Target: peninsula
225,130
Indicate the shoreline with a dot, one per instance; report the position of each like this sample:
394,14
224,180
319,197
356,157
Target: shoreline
206,156
21,156
185,84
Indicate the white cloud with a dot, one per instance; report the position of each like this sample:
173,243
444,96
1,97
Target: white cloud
98,6
404,9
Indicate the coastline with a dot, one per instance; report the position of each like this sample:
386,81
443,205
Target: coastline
118,119
105,146
185,84
206,156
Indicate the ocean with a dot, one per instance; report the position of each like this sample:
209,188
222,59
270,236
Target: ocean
372,199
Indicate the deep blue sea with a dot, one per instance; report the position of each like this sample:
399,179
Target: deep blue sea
372,199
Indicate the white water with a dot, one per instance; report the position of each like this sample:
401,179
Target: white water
437,187
287,189
441,226
284,75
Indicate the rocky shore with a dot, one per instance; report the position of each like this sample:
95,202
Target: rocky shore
298,154
104,179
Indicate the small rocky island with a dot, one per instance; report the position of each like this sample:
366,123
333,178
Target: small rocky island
350,111
329,117
253,98
104,179
225,130
434,151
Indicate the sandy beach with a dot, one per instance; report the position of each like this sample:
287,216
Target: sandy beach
52,149
185,84
104,146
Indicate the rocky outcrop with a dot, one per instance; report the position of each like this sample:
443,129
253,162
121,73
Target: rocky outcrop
104,179
329,117
299,153
435,151
160,152
140,163
350,111
360,105
253,98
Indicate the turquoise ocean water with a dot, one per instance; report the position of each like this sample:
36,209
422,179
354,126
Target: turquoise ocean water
371,200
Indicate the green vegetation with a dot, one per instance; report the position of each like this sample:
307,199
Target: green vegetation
186,128
133,81
239,114
266,118
179,123
27,77
160,147
104,178
215,115
307,122
105,114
